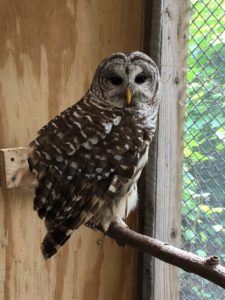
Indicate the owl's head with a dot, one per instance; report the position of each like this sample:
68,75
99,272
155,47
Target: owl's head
127,80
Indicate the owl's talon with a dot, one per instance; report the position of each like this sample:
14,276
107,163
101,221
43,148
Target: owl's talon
120,222
105,227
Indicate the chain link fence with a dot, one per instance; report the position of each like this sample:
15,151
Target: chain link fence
203,206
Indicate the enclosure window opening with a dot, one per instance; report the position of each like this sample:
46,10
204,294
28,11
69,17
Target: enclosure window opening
203,205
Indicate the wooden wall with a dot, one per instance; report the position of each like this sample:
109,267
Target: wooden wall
48,52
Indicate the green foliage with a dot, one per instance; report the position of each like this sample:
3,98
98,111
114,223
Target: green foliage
204,146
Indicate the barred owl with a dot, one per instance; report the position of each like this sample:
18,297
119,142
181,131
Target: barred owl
88,158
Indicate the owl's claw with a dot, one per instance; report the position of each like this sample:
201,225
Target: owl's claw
105,225
119,222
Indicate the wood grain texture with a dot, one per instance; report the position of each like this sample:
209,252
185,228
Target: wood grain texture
14,168
175,17
48,52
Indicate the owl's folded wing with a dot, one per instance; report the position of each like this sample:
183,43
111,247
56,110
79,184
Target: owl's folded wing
82,157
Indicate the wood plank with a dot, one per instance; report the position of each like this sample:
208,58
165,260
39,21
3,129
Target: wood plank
14,168
175,17
48,53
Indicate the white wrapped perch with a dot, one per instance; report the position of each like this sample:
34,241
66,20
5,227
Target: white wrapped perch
14,172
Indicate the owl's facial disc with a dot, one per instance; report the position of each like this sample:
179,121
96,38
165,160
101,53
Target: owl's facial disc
128,83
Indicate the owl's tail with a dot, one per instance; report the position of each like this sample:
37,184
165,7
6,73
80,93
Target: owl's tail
53,241
58,235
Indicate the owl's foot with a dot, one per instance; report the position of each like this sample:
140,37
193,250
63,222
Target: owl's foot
119,222
116,220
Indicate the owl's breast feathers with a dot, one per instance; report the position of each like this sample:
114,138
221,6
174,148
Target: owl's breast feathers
88,152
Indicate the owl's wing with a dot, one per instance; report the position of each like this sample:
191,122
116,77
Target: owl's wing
63,157
67,156
83,154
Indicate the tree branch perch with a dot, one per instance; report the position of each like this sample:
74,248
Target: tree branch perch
14,172
208,268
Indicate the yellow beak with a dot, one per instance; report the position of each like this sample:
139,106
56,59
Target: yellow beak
129,95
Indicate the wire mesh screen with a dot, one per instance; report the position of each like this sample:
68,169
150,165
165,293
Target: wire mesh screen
203,205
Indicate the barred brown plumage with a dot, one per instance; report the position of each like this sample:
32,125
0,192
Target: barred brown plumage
88,158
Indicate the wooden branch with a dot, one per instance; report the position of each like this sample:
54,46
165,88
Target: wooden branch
208,268
14,172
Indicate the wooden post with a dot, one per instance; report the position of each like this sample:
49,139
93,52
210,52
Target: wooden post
175,17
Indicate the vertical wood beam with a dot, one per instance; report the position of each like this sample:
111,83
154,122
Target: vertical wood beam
175,19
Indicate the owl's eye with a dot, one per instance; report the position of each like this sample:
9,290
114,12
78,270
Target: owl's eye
140,78
115,79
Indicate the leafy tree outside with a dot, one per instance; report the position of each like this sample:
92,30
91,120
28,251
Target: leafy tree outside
203,205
